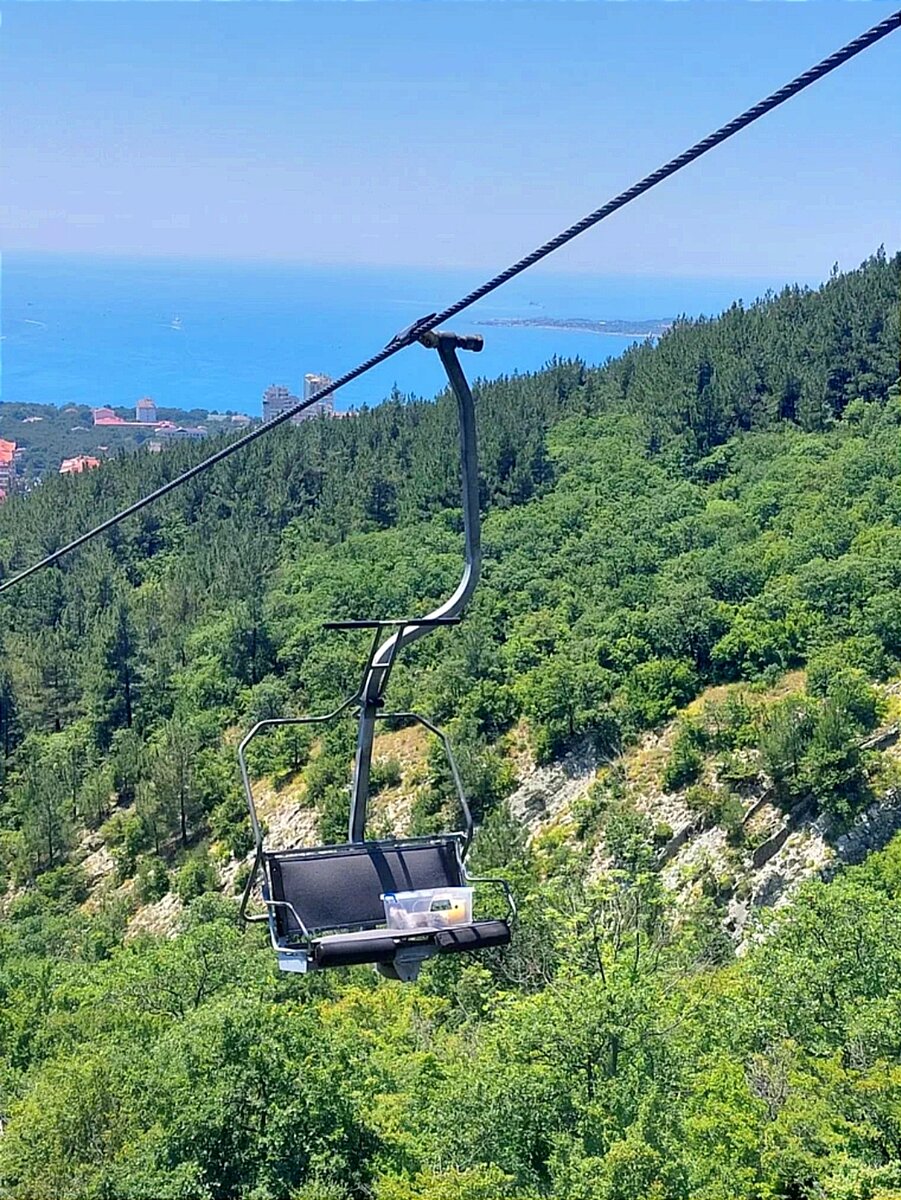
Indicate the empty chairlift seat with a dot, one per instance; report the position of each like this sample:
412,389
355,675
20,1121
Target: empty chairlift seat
327,907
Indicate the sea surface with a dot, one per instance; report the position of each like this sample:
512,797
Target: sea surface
213,335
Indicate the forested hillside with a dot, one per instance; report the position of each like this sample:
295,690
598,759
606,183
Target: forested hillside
721,508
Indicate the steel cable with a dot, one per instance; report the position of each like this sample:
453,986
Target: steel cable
433,320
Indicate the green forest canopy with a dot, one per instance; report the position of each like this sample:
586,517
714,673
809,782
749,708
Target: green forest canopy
723,505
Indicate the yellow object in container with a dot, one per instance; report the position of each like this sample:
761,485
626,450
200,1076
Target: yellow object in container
429,908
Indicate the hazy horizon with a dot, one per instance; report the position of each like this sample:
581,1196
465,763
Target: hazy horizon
540,270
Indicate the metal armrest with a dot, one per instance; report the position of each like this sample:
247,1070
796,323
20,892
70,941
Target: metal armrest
270,904
501,883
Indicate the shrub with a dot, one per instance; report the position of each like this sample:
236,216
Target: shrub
152,880
738,771
730,816
716,806
241,876
385,773
66,885
230,824
703,800
126,837
685,762
327,778
654,690
848,690
629,837
662,833
717,886
864,654
729,723
832,768
196,876
785,733
591,807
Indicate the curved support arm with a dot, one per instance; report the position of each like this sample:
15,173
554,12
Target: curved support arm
377,676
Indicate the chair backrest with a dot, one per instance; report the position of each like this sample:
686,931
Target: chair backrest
340,887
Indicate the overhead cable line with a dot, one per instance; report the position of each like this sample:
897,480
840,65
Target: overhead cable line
425,324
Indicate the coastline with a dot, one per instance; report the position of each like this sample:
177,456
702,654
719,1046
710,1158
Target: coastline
636,329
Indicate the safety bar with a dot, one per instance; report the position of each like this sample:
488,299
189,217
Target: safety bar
269,722
501,883
451,762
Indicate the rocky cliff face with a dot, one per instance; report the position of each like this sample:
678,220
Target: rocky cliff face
760,867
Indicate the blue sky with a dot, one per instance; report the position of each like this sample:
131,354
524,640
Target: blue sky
446,134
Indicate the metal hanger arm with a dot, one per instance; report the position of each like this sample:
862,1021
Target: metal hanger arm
375,682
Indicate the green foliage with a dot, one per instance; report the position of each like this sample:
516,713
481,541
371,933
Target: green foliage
689,513
152,881
126,836
628,837
832,769
785,734
716,806
385,773
196,875
230,824
730,724
686,759
654,690
738,771
663,832
811,748
66,886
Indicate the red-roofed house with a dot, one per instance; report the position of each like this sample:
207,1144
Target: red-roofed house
105,416
74,466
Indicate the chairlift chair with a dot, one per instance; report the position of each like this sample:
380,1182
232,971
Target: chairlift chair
324,904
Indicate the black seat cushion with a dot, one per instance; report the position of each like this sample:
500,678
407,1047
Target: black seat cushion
481,935
349,949
381,945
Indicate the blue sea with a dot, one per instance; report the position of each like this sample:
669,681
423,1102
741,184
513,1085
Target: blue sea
213,335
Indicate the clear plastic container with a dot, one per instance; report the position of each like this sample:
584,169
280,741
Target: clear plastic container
430,908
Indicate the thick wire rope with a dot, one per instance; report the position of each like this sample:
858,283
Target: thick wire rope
433,320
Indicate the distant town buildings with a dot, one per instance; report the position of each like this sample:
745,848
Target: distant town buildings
277,399
313,384
145,411
105,416
75,466
179,433
145,415
7,467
